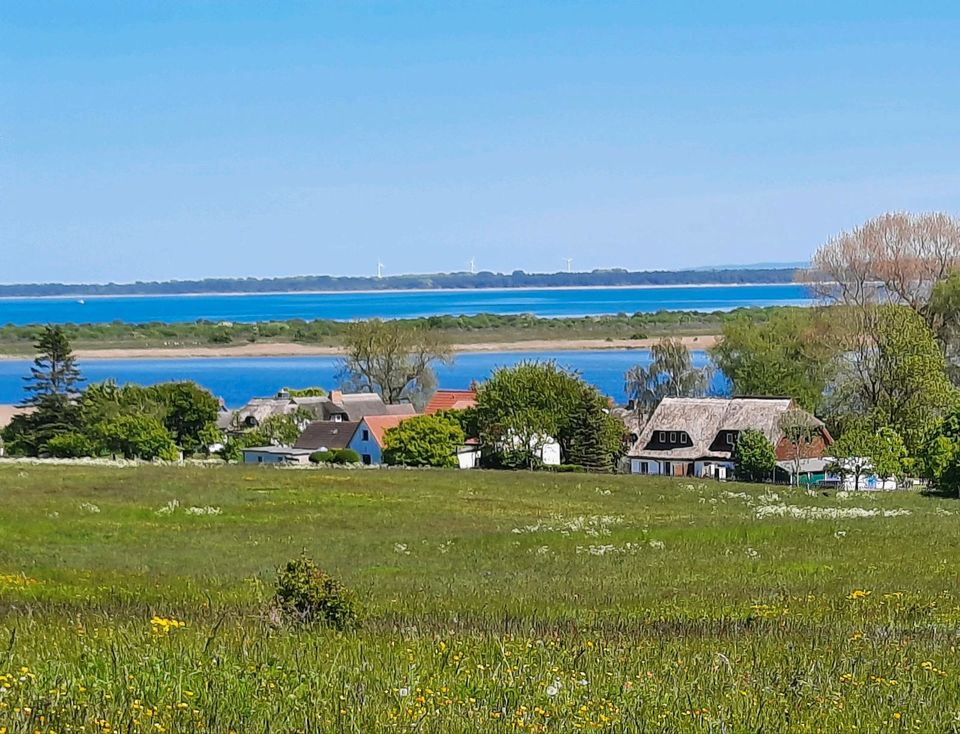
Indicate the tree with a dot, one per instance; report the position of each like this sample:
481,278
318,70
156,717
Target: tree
670,374
861,449
802,431
136,437
754,456
790,354
393,358
424,440
892,371
896,256
189,411
939,458
54,374
597,437
520,408
51,388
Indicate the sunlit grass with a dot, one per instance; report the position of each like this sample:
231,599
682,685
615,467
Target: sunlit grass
134,600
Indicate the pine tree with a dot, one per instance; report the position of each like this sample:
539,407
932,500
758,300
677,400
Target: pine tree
54,374
52,389
589,444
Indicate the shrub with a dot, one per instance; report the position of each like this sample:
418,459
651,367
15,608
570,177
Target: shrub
424,440
306,594
335,456
566,468
69,446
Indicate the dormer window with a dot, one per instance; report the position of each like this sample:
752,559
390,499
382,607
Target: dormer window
731,438
663,436
673,437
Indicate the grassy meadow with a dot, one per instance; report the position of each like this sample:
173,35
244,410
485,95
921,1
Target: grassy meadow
135,600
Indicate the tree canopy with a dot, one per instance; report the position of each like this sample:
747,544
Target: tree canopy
393,358
671,373
423,440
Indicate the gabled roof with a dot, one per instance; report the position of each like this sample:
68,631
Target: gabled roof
380,424
326,435
704,418
451,400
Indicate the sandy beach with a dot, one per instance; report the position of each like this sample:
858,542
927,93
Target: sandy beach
305,350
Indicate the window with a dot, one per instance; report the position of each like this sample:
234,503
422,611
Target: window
644,467
337,418
666,467
673,437
366,435
367,459
731,437
663,436
259,459
684,439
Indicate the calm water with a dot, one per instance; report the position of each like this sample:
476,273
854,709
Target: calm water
347,306
238,379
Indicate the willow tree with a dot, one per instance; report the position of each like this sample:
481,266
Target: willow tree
671,373
393,358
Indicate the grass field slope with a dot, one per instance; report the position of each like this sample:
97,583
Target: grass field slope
135,600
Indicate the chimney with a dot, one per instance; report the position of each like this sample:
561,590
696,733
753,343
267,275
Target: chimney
336,396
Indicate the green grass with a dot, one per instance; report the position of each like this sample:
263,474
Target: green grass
492,601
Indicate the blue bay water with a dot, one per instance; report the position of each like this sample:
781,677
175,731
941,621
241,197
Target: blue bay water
548,302
236,380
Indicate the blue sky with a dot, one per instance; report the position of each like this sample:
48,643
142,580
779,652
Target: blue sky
176,140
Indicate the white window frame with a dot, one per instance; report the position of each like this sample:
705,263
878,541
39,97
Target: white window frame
673,437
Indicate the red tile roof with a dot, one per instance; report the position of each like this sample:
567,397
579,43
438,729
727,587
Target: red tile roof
451,400
379,424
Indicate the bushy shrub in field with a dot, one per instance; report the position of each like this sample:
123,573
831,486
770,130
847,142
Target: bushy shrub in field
306,594
335,456
69,446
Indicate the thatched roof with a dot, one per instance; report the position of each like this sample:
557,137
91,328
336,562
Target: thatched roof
702,419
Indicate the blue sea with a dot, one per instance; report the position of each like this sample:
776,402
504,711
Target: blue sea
345,306
236,380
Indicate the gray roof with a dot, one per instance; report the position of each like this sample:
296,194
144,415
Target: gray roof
281,450
327,435
704,418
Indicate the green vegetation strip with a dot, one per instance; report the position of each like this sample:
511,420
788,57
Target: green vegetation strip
137,600
326,332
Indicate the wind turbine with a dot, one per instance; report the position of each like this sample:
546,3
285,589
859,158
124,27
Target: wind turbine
569,261
379,269
473,266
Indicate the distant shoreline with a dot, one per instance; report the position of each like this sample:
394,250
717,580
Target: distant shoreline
372,291
302,350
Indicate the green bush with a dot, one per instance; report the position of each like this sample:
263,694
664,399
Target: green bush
69,446
306,594
566,468
335,456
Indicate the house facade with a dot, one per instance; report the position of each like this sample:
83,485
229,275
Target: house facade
696,436
367,439
276,455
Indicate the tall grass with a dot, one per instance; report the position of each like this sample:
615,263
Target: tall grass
493,602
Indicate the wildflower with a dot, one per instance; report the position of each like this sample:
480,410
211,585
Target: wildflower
858,594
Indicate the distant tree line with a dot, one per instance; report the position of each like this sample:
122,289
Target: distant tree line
516,279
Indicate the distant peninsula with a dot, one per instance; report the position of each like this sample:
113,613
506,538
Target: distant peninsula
435,281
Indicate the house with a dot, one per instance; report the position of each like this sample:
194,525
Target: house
335,407
451,400
276,455
696,436
326,435
367,439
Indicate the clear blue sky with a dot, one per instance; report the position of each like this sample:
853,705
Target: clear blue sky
173,140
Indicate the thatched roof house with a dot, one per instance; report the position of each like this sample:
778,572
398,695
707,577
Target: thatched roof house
696,436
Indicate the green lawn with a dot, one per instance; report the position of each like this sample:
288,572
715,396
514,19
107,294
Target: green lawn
493,602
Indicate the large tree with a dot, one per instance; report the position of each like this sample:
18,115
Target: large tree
790,354
52,388
54,373
522,407
896,256
671,373
862,449
393,358
891,372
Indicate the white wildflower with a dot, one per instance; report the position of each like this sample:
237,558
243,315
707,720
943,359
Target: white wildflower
553,689
89,508
207,510
169,508
657,544
404,692
401,548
